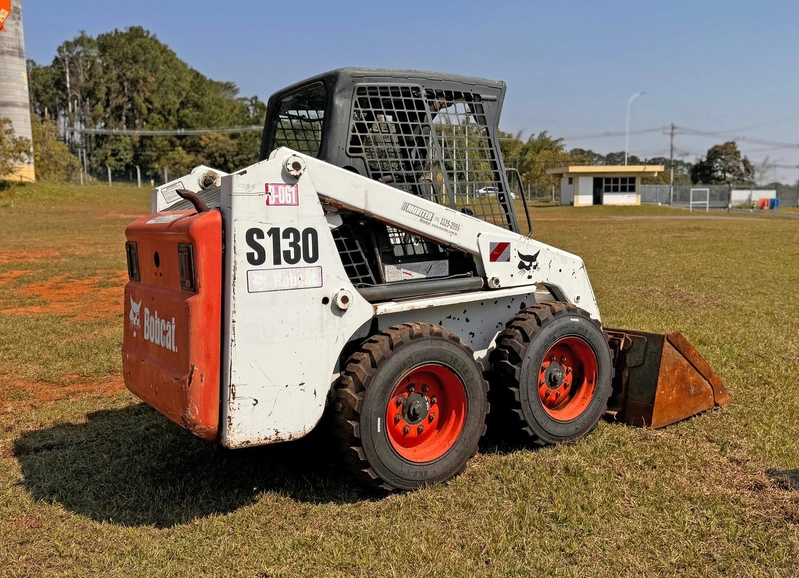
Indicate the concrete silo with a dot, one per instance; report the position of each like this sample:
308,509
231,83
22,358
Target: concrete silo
14,99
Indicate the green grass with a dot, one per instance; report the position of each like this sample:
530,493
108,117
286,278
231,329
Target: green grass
93,482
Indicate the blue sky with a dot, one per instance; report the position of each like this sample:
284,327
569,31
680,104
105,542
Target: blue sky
570,66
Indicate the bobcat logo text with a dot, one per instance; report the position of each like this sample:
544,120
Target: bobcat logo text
159,331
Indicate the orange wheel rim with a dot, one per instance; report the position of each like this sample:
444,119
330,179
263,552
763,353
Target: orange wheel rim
567,378
426,413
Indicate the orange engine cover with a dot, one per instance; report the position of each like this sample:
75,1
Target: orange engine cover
171,345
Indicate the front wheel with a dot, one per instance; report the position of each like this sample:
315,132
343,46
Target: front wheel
551,373
410,407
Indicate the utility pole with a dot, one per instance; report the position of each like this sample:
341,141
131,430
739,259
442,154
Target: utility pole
797,190
671,167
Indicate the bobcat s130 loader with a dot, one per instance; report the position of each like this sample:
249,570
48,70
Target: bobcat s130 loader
371,265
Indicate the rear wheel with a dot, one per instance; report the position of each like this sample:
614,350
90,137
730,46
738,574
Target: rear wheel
551,373
410,407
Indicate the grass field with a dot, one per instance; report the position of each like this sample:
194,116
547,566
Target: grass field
94,483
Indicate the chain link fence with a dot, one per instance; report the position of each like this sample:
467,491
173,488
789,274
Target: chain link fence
719,196
131,176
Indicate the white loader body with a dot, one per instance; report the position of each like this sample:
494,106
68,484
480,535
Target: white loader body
290,308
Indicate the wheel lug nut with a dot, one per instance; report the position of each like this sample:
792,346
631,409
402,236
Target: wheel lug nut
546,394
552,358
431,417
557,394
406,430
568,370
411,389
543,368
563,359
398,401
433,400
397,418
425,388
420,430
541,383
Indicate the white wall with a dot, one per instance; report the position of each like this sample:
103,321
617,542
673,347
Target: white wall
584,194
741,196
620,199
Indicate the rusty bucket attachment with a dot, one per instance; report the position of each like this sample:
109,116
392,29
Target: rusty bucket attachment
660,379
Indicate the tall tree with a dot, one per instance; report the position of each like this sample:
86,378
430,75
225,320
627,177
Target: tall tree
51,157
617,159
724,163
588,156
682,172
130,80
540,153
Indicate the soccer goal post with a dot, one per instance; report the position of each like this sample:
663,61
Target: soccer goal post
697,199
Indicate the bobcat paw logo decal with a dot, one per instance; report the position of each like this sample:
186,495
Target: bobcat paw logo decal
135,310
529,264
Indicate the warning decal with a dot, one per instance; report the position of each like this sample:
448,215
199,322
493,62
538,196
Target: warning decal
161,219
499,252
169,192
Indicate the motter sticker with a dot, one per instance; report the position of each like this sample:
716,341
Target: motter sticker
282,195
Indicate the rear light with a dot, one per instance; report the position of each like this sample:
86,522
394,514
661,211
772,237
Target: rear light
186,265
132,251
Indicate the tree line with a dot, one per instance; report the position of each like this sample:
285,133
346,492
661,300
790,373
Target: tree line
723,163
130,80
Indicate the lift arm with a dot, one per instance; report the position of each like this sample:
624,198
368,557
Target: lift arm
504,258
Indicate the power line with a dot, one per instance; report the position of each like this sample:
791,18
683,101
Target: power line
776,144
168,132
763,124
611,134
596,135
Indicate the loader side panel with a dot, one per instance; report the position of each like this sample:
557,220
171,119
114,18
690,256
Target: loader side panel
171,345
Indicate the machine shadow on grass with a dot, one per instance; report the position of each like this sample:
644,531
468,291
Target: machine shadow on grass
134,467
784,479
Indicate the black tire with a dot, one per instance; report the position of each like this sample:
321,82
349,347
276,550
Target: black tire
520,354
366,388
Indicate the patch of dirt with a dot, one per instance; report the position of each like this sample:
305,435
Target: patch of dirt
84,299
676,295
28,395
8,276
9,256
770,495
26,521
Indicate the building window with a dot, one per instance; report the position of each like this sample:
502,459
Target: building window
618,184
571,180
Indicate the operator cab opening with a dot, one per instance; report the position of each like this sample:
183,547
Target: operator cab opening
429,134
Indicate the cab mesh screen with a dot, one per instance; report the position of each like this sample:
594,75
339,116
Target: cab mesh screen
430,143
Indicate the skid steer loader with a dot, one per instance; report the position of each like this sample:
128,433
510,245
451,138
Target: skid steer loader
372,265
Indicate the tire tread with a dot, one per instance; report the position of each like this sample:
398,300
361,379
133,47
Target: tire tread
356,378
507,357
